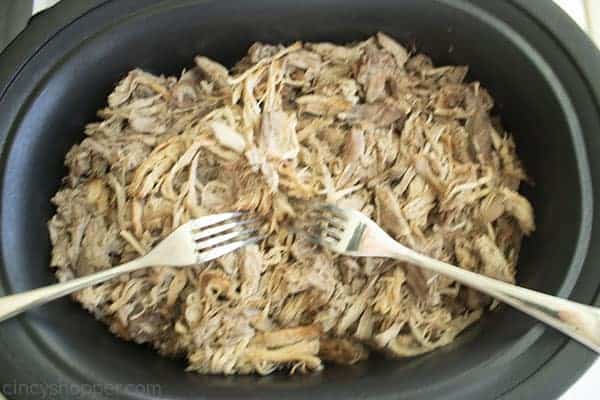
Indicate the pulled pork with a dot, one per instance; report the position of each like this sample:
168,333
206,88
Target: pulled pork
367,126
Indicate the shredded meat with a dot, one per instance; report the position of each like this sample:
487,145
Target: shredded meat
367,126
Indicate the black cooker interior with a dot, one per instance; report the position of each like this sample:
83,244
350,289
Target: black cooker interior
165,40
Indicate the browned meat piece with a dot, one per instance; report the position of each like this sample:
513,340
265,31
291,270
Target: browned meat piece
379,113
389,44
99,241
304,60
423,168
493,261
213,71
354,147
228,137
251,268
342,351
278,135
520,208
338,54
390,215
377,66
480,128
416,280
322,105
419,63
289,336
492,207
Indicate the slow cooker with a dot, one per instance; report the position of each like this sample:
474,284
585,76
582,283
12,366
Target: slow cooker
539,67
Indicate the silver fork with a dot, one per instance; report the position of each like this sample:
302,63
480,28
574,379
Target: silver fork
195,242
352,233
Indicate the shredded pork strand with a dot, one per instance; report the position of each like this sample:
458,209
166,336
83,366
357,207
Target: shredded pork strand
367,126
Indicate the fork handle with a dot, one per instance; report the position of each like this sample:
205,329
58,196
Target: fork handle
17,303
579,321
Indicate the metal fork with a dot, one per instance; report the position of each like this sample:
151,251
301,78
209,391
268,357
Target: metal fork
352,233
195,242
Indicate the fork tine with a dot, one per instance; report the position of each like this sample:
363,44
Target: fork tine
306,234
311,238
213,219
203,244
327,241
335,223
322,217
336,211
222,228
316,238
226,248
333,233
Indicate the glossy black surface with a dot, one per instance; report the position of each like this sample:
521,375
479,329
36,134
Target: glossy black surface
14,15
53,81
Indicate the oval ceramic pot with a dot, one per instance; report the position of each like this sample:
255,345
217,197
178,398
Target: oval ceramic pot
541,70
